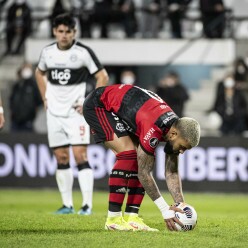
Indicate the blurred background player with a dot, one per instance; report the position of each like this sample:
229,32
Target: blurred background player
62,73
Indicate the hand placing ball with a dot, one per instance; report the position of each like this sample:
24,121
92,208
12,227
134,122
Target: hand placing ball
188,218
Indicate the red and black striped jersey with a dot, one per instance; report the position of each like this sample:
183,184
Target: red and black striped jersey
143,112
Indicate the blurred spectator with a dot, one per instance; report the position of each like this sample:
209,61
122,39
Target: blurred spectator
241,79
18,25
115,11
24,100
2,120
173,92
84,9
241,73
58,8
149,23
213,18
176,10
230,104
2,3
128,77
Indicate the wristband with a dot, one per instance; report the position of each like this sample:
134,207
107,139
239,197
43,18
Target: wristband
1,110
164,208
169,214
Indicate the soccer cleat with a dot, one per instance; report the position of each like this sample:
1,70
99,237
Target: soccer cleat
65,210
85,210
138,224
117,224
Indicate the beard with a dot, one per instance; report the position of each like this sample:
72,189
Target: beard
168,149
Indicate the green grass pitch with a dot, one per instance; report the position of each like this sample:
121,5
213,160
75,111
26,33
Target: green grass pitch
26,220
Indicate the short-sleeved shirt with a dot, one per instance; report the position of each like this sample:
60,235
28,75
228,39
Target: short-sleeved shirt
143,112
67,72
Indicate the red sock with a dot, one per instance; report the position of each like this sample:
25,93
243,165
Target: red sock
118,180
136,192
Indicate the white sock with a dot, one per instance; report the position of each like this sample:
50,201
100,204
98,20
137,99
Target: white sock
86,182
65,182
114,214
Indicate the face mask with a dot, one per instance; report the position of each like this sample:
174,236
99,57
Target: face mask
229,83
127,80
26,73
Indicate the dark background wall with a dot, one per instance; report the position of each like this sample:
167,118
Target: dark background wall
217,164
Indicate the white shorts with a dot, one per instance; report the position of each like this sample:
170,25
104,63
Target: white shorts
71,130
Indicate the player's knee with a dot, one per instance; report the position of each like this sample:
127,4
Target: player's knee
62,158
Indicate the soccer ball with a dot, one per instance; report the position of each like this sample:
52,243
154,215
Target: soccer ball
188,219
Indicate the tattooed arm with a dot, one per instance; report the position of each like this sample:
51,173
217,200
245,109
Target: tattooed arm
145,167
172,177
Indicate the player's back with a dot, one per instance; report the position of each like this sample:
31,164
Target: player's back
134,105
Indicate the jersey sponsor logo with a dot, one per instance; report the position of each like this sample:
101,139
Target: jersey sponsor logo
61,76
168,117
149,134
153,142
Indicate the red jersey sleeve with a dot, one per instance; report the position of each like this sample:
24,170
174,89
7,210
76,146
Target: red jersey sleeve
149,139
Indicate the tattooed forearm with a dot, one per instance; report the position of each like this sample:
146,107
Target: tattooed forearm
173,179
146,164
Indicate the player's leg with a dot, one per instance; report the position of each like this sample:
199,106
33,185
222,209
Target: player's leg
85,178
58,141
108,128
118,180
135,197
127,165
64,178
78,132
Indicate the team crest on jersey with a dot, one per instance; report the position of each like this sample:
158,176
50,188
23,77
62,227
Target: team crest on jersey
73,58
153,142
120,127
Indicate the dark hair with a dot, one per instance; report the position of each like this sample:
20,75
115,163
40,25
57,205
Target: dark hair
173,74
64,19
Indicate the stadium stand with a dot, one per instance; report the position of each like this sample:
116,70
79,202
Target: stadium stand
192,30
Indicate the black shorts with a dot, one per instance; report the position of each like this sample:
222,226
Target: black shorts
103,124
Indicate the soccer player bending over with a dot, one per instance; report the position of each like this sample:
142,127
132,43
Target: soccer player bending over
131,121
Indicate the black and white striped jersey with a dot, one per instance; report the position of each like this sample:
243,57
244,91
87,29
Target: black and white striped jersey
67,73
